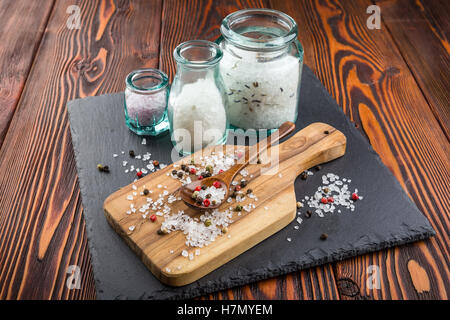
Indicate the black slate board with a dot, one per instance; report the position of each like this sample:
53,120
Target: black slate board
386,217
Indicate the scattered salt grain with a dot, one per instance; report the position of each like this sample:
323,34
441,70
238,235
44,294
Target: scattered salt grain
131,228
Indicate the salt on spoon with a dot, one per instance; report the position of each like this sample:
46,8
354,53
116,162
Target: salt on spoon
223,180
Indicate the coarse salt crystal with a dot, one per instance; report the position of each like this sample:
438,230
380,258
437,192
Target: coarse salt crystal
131,228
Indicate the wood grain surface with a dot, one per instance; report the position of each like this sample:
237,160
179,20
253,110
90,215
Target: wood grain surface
392,82
41,224
20,41
421,31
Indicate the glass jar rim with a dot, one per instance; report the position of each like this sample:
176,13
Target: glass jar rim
237,39
162,80
214,58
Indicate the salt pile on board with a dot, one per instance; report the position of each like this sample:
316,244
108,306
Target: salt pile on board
198,234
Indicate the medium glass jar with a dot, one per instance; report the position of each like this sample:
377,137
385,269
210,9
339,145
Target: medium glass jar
146,94
261,68
197,102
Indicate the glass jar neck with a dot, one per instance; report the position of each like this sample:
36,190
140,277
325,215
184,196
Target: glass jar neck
259,30
240,52
197,59
146,81
186,74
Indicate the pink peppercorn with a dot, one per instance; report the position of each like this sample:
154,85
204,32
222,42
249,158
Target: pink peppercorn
355,196
198,188
139,174
206,202
153,217
193,171
216,184
200,177
330,199
324,200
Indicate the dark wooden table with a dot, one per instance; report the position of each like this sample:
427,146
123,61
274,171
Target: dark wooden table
393,82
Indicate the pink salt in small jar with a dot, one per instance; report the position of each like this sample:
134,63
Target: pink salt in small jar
146,95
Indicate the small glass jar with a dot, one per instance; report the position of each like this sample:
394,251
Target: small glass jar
197,100
146,95
261,68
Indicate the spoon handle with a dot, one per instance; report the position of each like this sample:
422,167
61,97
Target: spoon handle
254,151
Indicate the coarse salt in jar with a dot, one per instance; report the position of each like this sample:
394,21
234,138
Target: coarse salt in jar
197,101
146,95
261,68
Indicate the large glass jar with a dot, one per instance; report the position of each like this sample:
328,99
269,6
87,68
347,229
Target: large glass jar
197,101
261,68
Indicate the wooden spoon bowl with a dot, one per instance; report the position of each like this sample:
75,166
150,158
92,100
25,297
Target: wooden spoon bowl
225,178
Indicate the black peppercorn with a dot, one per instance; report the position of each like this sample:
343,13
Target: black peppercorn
249,191
131,153
146,192
304,175
174,172
180,174
203,187
323,236
105,169
318,168
183,167
208,196
308,214
243,183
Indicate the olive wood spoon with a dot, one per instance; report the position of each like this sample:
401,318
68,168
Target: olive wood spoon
225,178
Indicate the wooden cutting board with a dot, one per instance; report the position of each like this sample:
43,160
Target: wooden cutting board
273,185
